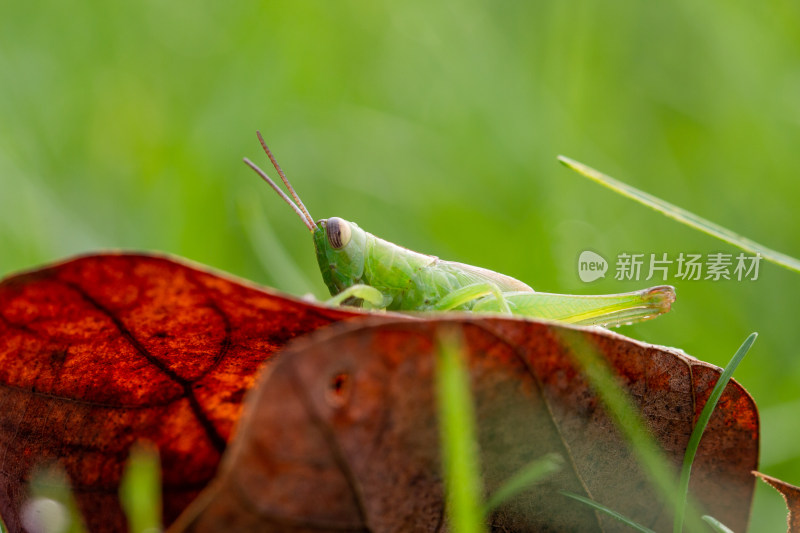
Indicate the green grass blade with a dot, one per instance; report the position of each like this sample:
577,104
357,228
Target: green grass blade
269,250
626,417
463,485
602,508
718,526
52,505
531,474
700,427
140,489
682,215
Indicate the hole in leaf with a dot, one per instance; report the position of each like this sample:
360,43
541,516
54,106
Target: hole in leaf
338,389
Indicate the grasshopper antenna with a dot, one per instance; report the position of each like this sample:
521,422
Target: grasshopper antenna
301,211
307,221
285,179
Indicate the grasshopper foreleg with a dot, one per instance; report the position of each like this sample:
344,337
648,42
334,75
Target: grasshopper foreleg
372,297
472,292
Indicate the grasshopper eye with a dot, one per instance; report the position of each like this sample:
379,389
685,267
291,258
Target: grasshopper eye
338,231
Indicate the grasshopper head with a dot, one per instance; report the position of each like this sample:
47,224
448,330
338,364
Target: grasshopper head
339,244
340,249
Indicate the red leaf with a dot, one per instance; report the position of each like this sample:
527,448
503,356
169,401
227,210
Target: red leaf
100,351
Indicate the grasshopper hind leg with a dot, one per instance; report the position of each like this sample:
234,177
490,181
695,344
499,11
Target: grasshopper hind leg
595,310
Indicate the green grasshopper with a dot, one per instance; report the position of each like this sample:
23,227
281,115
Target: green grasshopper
362,269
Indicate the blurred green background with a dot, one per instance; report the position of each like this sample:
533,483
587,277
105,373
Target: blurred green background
435,125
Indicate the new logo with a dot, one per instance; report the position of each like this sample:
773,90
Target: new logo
591,266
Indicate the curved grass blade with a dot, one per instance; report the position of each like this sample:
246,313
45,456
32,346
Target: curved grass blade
716,525
700,427
533,472
682,215
603,509
270,252
627,419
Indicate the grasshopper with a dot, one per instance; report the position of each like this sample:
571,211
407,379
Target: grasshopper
362,269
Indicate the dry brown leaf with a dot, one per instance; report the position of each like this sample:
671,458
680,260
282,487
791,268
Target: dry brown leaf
341,433
791,495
